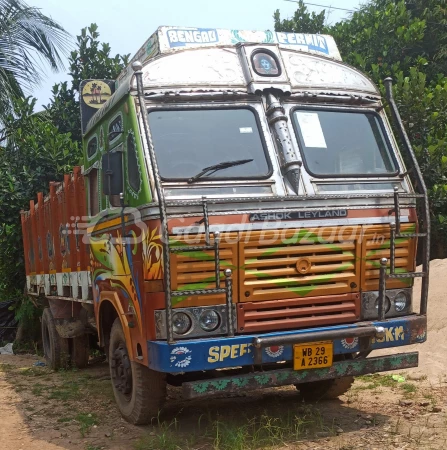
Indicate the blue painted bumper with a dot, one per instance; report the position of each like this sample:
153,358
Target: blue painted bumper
208,354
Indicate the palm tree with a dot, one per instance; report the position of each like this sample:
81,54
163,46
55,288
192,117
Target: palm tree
94,94
28,38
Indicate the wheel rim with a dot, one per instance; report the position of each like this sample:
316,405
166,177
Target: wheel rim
122,372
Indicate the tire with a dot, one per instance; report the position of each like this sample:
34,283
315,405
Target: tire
55,348
326,389
139,391
80,351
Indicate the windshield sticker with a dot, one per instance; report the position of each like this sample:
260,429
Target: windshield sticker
311,130
245,130
182,37
311,41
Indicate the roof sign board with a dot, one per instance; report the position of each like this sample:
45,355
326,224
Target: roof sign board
171,39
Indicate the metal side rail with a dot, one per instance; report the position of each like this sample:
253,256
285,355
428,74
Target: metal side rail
396,234
425,207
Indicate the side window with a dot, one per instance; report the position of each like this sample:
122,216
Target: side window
93,193
115,128
133,171
112,174
92,147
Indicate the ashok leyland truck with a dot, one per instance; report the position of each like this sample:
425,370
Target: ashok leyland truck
243,218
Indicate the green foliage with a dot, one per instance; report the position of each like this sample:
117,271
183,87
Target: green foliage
90,59
39,148
33,154
24,34
406,40
302,21
86,422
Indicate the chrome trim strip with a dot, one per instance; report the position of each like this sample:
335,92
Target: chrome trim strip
286,225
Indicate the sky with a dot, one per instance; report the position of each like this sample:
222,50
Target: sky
127,25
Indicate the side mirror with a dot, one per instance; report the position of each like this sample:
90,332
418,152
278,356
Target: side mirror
112,173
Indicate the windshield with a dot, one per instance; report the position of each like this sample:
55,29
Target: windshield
339,143
188,141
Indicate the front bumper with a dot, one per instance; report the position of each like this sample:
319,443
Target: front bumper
246,350
283,377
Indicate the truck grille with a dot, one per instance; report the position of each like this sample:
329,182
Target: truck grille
376,245
299,263
298,313
192,270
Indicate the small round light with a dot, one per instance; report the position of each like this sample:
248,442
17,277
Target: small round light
400,301
387,304
209,320
181,323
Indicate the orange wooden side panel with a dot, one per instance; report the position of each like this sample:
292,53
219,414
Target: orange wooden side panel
52,229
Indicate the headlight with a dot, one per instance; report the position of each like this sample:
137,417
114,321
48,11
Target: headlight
195,321
209,320
400,301
181,323
397,303
387,304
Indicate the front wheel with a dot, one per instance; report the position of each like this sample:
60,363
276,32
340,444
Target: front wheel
139,391
325,389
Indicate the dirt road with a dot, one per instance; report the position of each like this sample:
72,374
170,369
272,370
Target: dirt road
75,410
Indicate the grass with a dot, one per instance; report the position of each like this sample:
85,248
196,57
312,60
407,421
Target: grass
33,372
38,389
68,391
86,422
375,381
6,367
267,430
26,347
408,388
64,419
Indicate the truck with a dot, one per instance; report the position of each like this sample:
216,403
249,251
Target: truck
243,218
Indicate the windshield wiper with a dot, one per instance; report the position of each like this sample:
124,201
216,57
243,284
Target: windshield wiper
214,168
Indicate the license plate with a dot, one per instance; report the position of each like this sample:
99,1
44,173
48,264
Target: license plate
313,356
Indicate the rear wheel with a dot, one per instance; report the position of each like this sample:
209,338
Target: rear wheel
80,351
139,391
55,348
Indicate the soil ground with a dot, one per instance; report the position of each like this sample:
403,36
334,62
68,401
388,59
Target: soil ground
75,410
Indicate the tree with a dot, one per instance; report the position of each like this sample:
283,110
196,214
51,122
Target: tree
406,40
302,21
91,59
37,155
26,36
